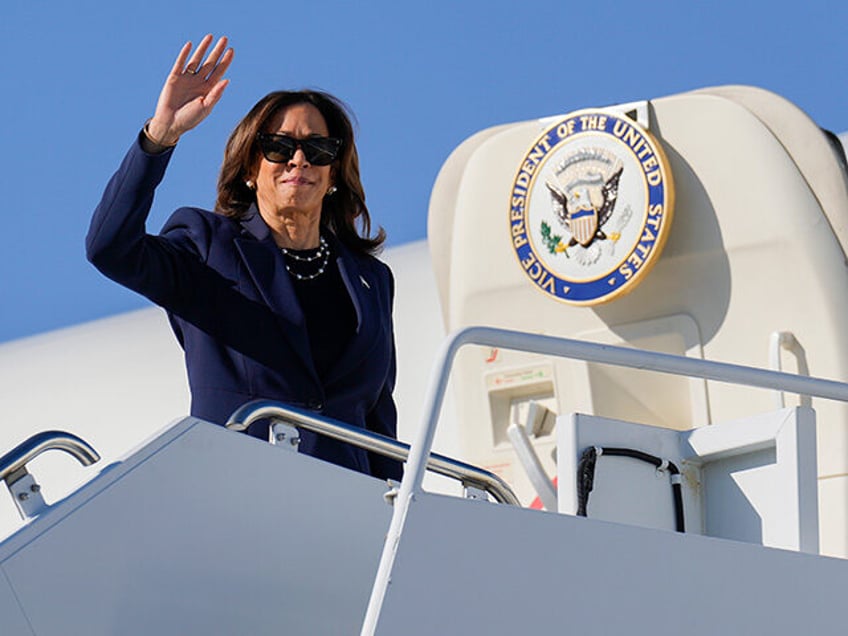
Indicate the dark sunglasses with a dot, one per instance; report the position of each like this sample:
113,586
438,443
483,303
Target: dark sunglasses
319,151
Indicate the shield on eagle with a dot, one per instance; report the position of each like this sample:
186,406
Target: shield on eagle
584,192
583,224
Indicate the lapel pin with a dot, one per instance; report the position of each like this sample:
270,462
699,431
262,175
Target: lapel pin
364,282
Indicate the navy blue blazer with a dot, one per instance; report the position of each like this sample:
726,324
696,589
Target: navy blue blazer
233,309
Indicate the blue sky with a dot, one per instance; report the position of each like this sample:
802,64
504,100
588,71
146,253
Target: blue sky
79,79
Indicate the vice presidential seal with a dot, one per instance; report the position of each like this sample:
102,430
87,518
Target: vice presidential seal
591,207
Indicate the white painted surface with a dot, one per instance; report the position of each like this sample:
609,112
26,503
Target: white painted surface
757,245
114,382
418,334
750,480
203,531
478,568
760,473
12,618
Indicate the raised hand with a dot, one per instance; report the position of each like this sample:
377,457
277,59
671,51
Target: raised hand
191,90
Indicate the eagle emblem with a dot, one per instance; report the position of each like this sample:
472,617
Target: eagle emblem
590,206
583,194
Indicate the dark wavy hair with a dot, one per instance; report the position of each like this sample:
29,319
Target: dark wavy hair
342,211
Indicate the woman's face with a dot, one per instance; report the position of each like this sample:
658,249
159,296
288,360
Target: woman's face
296,186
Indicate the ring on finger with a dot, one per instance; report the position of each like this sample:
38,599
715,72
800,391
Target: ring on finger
191,71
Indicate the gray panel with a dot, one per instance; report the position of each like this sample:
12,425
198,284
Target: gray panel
215,532
12,618
478,568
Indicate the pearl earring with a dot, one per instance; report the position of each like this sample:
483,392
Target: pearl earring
331,190
250,184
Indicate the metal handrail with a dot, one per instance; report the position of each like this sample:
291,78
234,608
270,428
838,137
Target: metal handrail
29,449
787,340
564,348
467,474
601,353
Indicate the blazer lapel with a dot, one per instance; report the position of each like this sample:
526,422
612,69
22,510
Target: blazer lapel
363,293
265,264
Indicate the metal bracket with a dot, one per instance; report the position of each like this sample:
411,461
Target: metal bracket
637,111
391,494
284,435
26,493
474,493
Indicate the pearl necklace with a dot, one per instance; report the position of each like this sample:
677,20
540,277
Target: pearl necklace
322,256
